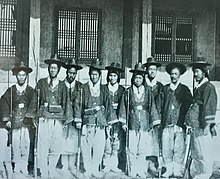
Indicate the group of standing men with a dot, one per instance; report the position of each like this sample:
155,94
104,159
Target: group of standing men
115,129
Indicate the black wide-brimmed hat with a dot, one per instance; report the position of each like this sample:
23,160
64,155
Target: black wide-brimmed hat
54,60
152,61
138,68
115,66
173,65
71,63
21,67
200,63
96,64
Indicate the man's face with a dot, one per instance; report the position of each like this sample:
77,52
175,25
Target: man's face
94,76
113,77
199,75
175,75
53,70
152,71
71,74
21,77
138,80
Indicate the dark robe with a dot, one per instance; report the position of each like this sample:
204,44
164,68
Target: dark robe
175,105
20,105
205,105
98,118
49,97
145,118
157,91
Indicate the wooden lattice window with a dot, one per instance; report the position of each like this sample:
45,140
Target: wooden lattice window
8,24
78,35
172,38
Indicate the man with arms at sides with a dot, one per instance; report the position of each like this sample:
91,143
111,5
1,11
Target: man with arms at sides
156,88
95,111
177,99
18,97
202,122
70,131
142,117
115,143
54,110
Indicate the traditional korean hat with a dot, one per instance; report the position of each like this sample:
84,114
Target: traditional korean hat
173,65
138,68
152,61
71,63
96,64
21,67
200,64
54,60
115,66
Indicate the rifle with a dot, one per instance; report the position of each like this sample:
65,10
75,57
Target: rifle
128,167
36,134
187,158
160,157
79,142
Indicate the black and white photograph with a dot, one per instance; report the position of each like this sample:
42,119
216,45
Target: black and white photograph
109,89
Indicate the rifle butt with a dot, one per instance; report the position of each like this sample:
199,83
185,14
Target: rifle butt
78,163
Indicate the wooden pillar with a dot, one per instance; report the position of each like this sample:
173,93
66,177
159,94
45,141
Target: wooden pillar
146,34
34,40
127,33
136,34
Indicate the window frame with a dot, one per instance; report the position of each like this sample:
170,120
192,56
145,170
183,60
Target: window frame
174,15
77,43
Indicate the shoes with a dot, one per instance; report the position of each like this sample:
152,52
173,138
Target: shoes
87,174
106,170
97,174
141,174
116,170
202,176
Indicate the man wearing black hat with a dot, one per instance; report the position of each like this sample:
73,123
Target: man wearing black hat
156,88
177,99
116,136
70,131
54,109
96,112
14,105
142,117
203,121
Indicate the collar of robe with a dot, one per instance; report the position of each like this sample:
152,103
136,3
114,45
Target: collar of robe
94,89
197,85
21,88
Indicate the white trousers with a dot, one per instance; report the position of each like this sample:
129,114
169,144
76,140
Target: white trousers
140,146
173,148
20,149
202,153
49,145
93,145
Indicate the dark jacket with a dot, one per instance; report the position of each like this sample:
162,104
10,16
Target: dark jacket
175,105
205,98
142,113
157,92
50,101
20,104
99,118
116,98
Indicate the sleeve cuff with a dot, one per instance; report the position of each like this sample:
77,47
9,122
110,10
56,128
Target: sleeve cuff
6,119
29,116
157,122
122,120
77,120
113,121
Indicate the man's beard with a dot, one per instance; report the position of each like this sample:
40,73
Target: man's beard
70,79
